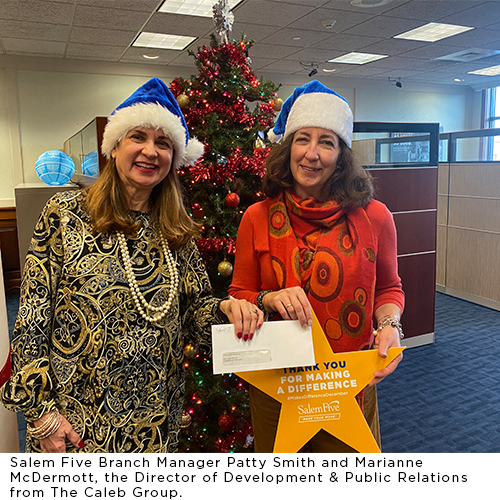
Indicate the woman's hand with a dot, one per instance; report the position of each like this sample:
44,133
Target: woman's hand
245,316
56,443
290,303
388,337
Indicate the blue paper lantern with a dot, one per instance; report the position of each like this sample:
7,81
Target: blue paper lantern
90,164
55,168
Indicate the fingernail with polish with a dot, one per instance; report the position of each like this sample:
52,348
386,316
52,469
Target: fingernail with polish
250,337
239,335
245,337
259,326
81,444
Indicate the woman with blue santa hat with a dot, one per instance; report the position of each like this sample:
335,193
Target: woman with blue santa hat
319,241
112,282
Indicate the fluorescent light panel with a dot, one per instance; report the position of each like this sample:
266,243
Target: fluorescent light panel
162,41
491,71
357,58
201,8
433,32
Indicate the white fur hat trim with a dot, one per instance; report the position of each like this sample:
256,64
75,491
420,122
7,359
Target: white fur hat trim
321,110
155,116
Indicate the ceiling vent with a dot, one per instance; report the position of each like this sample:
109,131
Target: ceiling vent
469,55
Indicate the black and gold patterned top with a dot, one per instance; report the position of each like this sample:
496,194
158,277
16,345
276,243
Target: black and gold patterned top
80,345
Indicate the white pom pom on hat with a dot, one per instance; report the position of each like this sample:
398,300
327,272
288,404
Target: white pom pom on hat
314,105
152,105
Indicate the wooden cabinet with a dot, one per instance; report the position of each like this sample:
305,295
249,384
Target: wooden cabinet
10,249
407,184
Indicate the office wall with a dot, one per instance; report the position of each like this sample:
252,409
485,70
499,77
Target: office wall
47,102
7,184
449,109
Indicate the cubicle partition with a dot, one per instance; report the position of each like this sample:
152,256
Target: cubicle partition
468,230
403,159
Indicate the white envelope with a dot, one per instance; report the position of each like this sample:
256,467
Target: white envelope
278,344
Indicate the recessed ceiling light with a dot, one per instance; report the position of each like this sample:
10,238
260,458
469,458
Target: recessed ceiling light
150,56
491,71
432,32
162,41
297,38
357,58
202,8
328,70
458,79
368,4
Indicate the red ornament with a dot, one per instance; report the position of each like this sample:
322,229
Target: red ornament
226,422
232,200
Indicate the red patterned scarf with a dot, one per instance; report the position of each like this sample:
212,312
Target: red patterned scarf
330,253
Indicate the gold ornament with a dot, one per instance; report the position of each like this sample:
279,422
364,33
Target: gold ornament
183,100
259,143
277,103
225,268
190,351
185,420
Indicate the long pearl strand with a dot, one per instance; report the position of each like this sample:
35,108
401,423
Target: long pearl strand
137,295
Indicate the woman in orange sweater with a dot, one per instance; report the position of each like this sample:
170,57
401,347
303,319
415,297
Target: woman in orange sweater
320,241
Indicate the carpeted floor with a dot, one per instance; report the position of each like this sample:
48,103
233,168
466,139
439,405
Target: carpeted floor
442,396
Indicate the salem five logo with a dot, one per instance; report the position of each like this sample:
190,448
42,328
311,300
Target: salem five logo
326,411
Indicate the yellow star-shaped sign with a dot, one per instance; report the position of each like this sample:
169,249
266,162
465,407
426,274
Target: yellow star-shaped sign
322,396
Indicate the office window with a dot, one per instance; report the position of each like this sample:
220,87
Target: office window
492,120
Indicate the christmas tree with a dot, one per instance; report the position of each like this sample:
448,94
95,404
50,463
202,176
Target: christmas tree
228,108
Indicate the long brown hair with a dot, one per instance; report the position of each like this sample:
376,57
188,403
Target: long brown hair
350,184
108,208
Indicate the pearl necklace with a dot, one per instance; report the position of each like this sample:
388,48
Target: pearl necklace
137,295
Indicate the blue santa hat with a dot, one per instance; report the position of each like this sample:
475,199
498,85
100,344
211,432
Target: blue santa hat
313,105
152,105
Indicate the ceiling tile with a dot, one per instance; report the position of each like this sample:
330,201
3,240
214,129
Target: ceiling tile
474,38
285,37
346,5
270,13
96,17
255,32
397,73
184,59
315,55
392,47
37,11
34,31
135,54
400,62
43,48
385,27
348,43
309,3
344,20
431,11
284,65
94,52
479,16
176,24
276,51
432,50
118,38
89,26
261,62
495,26
142,5
363,70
